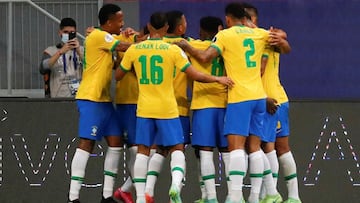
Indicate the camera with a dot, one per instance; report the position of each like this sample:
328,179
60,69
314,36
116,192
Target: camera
72,35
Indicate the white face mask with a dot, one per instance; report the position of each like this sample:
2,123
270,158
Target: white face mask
64,37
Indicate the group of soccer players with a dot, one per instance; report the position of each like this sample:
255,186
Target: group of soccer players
237,102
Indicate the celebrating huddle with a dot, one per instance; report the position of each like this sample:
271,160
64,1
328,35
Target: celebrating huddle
238,105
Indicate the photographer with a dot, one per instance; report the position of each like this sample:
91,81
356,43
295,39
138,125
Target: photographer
61,64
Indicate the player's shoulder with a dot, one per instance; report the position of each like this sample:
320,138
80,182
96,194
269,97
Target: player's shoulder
101,35
200,43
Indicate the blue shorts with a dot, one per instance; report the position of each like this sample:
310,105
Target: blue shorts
127,121
208,125
276,125
163,132
245,118
185,123
283,127
97,120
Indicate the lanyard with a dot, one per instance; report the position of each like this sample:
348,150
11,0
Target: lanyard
74,59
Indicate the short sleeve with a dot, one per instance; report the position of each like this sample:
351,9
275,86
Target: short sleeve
107,41
126,62
218,42
181,59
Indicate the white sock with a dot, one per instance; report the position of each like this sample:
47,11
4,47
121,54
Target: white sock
128,184
201,182
152,152
274,165
256,170
154,169
208,173
226,158
140,170
236,174
111,165
268,180
177,165
288,165
78,166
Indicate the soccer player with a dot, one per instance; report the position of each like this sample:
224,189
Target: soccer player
208,104
268,186
241,47
177,28
97,114
126,97
277,112
157,116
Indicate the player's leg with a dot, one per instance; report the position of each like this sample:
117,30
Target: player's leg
144,138
237,129
127,123
154,168
171,134
269,192
204,139
286,159
115,143
256,158
201,182
88,117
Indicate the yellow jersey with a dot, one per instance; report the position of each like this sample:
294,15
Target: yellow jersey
97,67
208,95
242,48
270,78
180,84
154,62
127,89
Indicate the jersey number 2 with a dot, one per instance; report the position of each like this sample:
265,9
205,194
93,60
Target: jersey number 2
249,43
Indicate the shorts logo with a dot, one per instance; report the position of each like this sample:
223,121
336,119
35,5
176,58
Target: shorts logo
94,130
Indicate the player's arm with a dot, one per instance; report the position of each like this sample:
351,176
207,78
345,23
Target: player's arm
264,60
119,73
122,46
205,78
124,67
203,56
277,38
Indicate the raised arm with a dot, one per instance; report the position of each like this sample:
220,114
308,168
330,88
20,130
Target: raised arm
278,38
203,56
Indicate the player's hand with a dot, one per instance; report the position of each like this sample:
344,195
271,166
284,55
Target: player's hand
277,37
89,30
225,81
129,31
271,105
183,44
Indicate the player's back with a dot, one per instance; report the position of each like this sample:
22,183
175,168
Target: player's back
154,61
242,48
208,95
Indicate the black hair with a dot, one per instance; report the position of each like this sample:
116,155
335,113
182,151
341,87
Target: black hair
107,11
235,10
249,7
174,18
158,20
67,22
211,24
